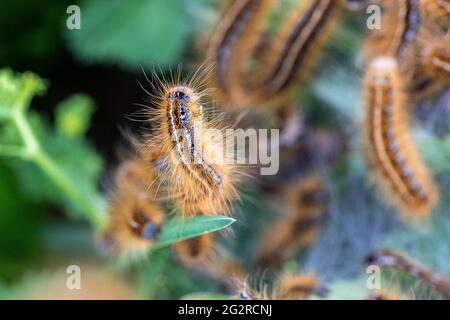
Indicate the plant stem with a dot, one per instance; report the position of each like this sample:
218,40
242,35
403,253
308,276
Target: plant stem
47,165
35,153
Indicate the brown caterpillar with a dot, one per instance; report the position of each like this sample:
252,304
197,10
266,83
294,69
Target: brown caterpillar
294,49
389,258
436,59
203,254
299,287
437,11
401,27
287,287
307,201
134,224
135,218
390,149
186,148
382,295
196,250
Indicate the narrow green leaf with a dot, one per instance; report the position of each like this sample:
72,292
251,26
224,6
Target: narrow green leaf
178,229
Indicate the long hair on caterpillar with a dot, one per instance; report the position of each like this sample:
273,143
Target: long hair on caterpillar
391,153
186,146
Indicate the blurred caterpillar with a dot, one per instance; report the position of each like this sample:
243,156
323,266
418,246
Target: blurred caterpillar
287,287
390,149
437,9
383,295
402,21
436,59
389,258
135,218
299,287
186,148
203,254
293,50
307,202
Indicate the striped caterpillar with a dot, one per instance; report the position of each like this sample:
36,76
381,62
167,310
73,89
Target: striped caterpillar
307,203
287,287
406,30
187,152
389,258
401,23
390,149
288,57
135,219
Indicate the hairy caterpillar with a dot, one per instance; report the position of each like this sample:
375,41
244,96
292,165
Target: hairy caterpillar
401,25
437,10
383,295
391,258
287,287
292,51
134,176
196,250
232,43
204,254
135,218
307,202
436,59
299,287
134,224
390,149
186,148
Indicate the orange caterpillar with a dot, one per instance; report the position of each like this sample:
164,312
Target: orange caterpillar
401,24
299,287
436,59
289,56
187,153
437,10
383,295
196,250
203,254
307,203
287,287
389,258
135,218
390,149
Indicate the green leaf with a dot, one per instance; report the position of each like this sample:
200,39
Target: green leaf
178,229
73,115
131,33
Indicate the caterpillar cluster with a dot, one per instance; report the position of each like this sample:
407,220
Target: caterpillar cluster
181,163
407,61
306,208
286,60
389,258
